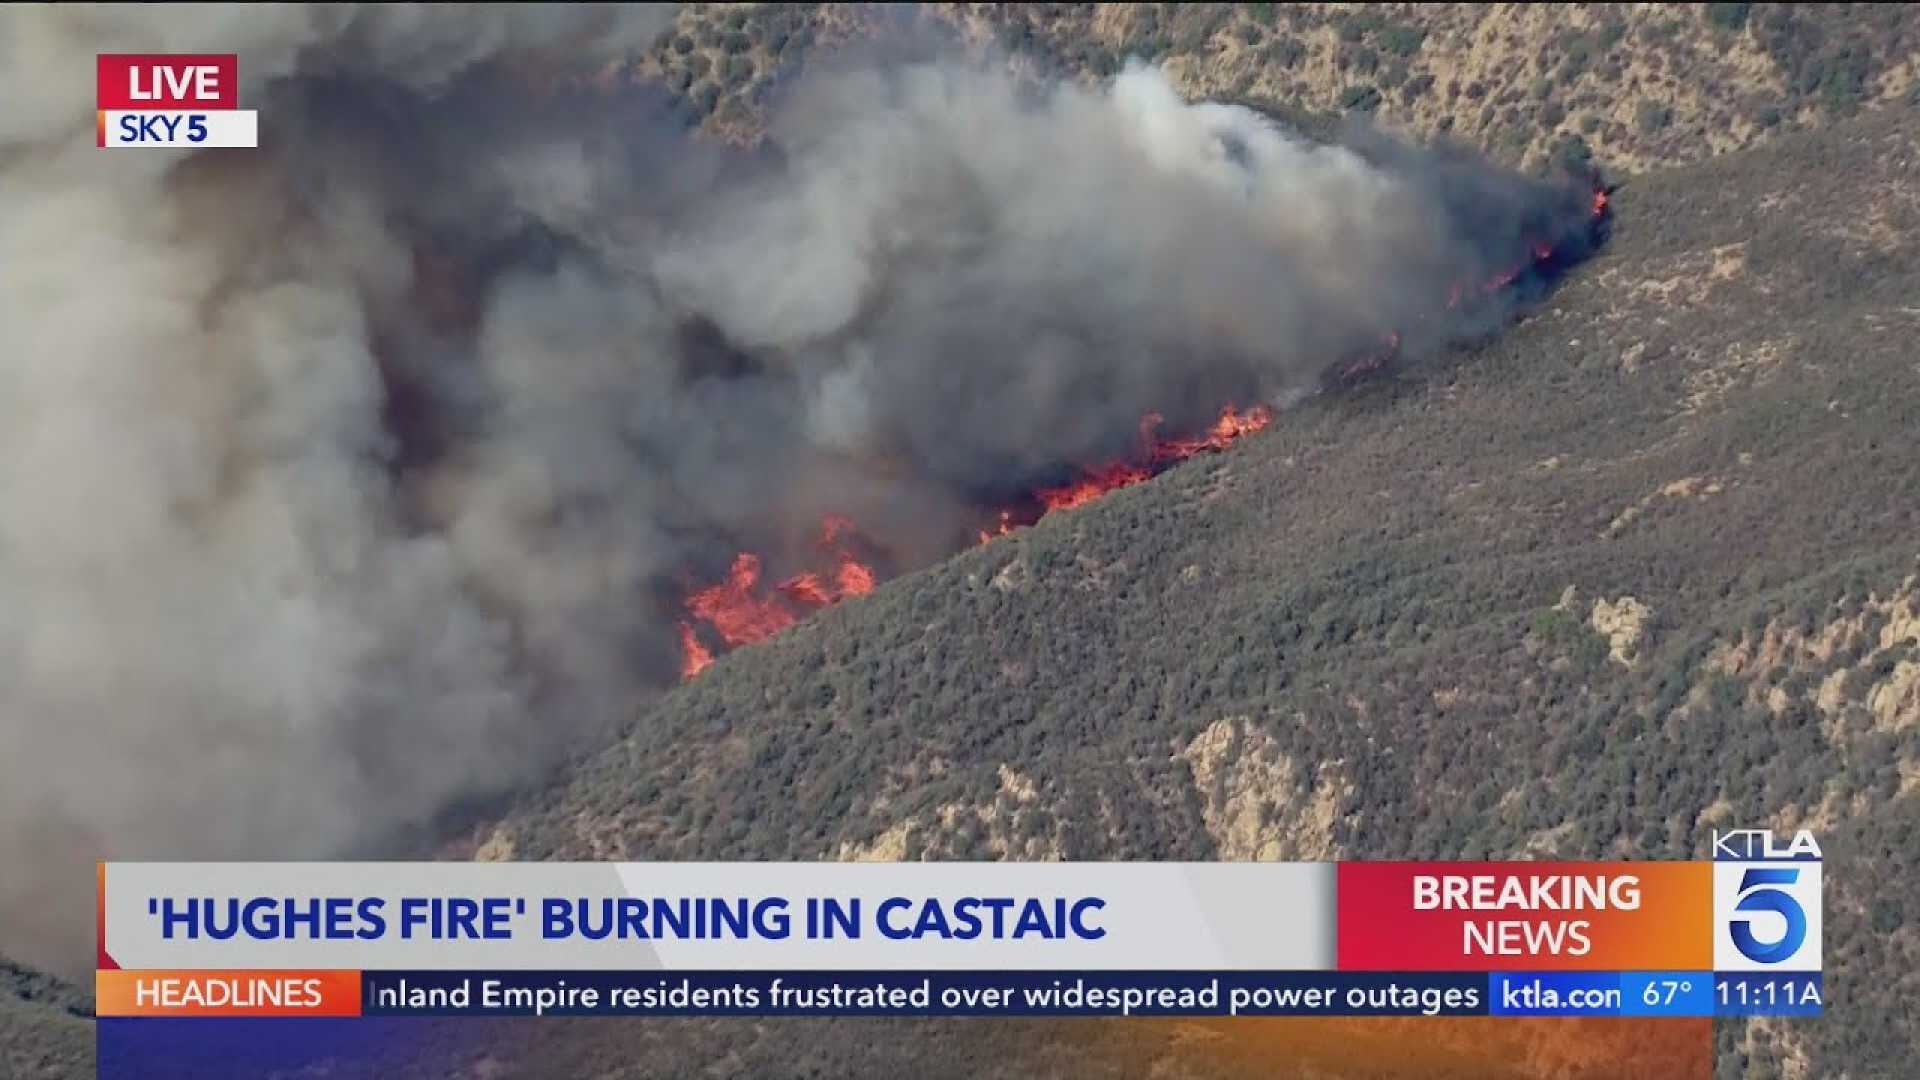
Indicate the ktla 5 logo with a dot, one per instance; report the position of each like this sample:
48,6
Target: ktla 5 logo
1766,902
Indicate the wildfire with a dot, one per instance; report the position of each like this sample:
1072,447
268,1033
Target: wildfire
735,608
1497,282
1232,424
694,657
1090,486
741,612
1155,456
1542,252
740,609
1001,527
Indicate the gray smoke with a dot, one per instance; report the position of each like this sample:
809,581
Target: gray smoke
358,475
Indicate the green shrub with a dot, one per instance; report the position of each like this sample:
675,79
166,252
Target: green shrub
1360,97
1728,16
704,98
1284,52
1402,40
1572,67
1843,80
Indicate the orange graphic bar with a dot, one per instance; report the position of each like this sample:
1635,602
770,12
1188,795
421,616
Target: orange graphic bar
226,993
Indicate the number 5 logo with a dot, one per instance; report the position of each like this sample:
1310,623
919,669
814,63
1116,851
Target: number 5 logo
1758,892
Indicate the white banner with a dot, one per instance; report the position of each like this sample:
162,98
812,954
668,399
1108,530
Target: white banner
720,916
179,129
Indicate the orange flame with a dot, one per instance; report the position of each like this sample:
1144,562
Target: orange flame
1157,455
741,612
694,656
833,527
735,609
855,578
807,590
1373,361
1090,486
1000,528
1232,425
1542,251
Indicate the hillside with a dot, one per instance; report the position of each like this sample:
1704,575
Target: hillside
1644,563
46,1029
1635,85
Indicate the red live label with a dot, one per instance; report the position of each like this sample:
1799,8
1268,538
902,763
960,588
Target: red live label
135,81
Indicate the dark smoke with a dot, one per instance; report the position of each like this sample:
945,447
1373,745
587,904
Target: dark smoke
352,476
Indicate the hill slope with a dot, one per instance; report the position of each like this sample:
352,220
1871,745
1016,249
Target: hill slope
1645,563
46,1030
1639,85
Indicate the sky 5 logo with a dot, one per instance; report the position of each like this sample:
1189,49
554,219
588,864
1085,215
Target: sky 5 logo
1766,901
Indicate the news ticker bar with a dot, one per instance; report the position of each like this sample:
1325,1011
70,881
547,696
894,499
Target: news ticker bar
957,993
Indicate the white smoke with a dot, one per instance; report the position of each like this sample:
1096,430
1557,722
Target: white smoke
222,635
346,479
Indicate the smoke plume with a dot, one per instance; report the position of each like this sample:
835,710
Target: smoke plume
346,478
